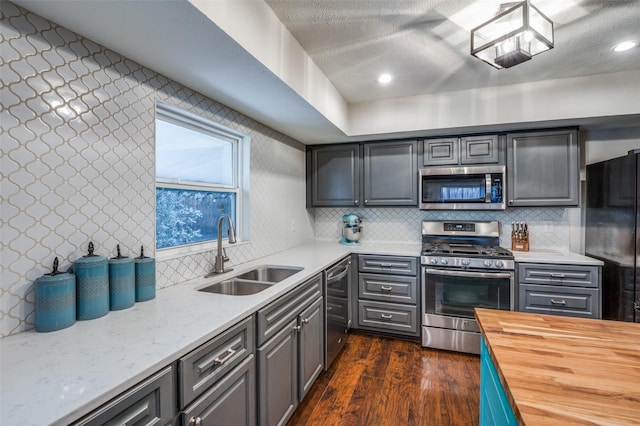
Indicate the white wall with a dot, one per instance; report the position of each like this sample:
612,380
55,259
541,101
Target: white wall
604,144
78,162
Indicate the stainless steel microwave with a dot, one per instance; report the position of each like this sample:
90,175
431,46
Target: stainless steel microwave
462,188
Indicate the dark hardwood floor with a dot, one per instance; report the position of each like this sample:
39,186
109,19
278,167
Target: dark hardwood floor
379,381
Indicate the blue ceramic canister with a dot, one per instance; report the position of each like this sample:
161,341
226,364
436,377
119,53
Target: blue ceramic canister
145,277
92,290
55,295
122,285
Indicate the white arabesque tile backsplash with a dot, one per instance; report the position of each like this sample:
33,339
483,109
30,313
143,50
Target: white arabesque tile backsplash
78,162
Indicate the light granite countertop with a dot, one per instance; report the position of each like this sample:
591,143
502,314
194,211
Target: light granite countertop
58,377
550,256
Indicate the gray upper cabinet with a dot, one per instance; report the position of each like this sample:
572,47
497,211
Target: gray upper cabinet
334,172
467,150
391,174
441,152
543,168
356,175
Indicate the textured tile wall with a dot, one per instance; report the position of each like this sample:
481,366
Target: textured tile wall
549,227
77,162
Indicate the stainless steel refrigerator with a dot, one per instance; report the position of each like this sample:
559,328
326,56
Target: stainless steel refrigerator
612,233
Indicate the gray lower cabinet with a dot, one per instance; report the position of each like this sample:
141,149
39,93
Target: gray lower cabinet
543,168
388,294
230,402
217,380
152,402
570,290
290,351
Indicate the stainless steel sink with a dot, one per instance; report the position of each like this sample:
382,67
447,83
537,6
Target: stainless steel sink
237,287
272,274
252,281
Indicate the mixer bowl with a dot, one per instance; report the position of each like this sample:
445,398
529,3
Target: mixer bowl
351,234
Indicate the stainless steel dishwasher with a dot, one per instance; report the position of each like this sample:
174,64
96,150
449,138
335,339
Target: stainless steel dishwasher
337,318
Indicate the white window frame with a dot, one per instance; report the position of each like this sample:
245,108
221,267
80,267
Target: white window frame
241,162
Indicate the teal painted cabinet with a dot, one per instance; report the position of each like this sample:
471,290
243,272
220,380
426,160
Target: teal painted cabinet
495,409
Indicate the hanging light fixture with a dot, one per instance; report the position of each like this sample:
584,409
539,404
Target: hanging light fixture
517,32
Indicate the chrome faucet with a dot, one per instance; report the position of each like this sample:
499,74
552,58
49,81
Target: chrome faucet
221,257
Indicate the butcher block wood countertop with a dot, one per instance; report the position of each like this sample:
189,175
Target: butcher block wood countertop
565,371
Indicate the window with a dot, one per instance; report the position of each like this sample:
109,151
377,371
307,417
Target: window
202,172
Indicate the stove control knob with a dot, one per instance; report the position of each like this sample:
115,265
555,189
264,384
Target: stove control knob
487,263
499,264
465,262
444,260
434,260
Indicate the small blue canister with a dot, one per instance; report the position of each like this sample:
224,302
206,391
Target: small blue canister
122,286
145,277
92,292
55,295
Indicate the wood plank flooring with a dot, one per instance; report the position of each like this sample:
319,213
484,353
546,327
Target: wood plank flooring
379,381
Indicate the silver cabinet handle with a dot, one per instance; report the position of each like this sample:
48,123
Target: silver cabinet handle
355,202
215,361
383,288
195,421
227,357
297,328
557,275
305,321
366,201
558,302
384,316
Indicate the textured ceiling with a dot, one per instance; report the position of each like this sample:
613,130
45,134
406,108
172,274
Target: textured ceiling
425,43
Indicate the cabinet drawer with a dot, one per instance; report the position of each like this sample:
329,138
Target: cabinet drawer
388,317
231,402
206,365
563,275
152,402
387,288
388,264
559,300
279,313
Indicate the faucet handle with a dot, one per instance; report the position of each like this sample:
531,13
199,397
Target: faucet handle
225,258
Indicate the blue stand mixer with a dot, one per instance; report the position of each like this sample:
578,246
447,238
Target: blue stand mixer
351,230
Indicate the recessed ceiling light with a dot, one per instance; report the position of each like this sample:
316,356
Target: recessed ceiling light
625,45
385,78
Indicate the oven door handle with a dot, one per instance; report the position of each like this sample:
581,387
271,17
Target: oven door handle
468,274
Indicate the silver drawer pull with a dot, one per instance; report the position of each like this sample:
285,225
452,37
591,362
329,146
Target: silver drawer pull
305,320
195,421
215,361
558,302
386,265
387,317
383,288
297,328
557,275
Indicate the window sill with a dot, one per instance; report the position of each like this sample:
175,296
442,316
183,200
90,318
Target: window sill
177,252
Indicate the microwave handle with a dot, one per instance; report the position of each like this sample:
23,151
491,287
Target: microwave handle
487,191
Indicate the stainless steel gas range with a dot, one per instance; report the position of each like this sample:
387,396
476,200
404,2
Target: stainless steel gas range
463,267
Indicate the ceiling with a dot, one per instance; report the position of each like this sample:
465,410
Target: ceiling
308,68
425,44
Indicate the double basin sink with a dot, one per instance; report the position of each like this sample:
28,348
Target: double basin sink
252,281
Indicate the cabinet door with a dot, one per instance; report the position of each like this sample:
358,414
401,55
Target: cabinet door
441,152
311,342
543,168
391,174
480,150
231,402
152,402
335,175
278,376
